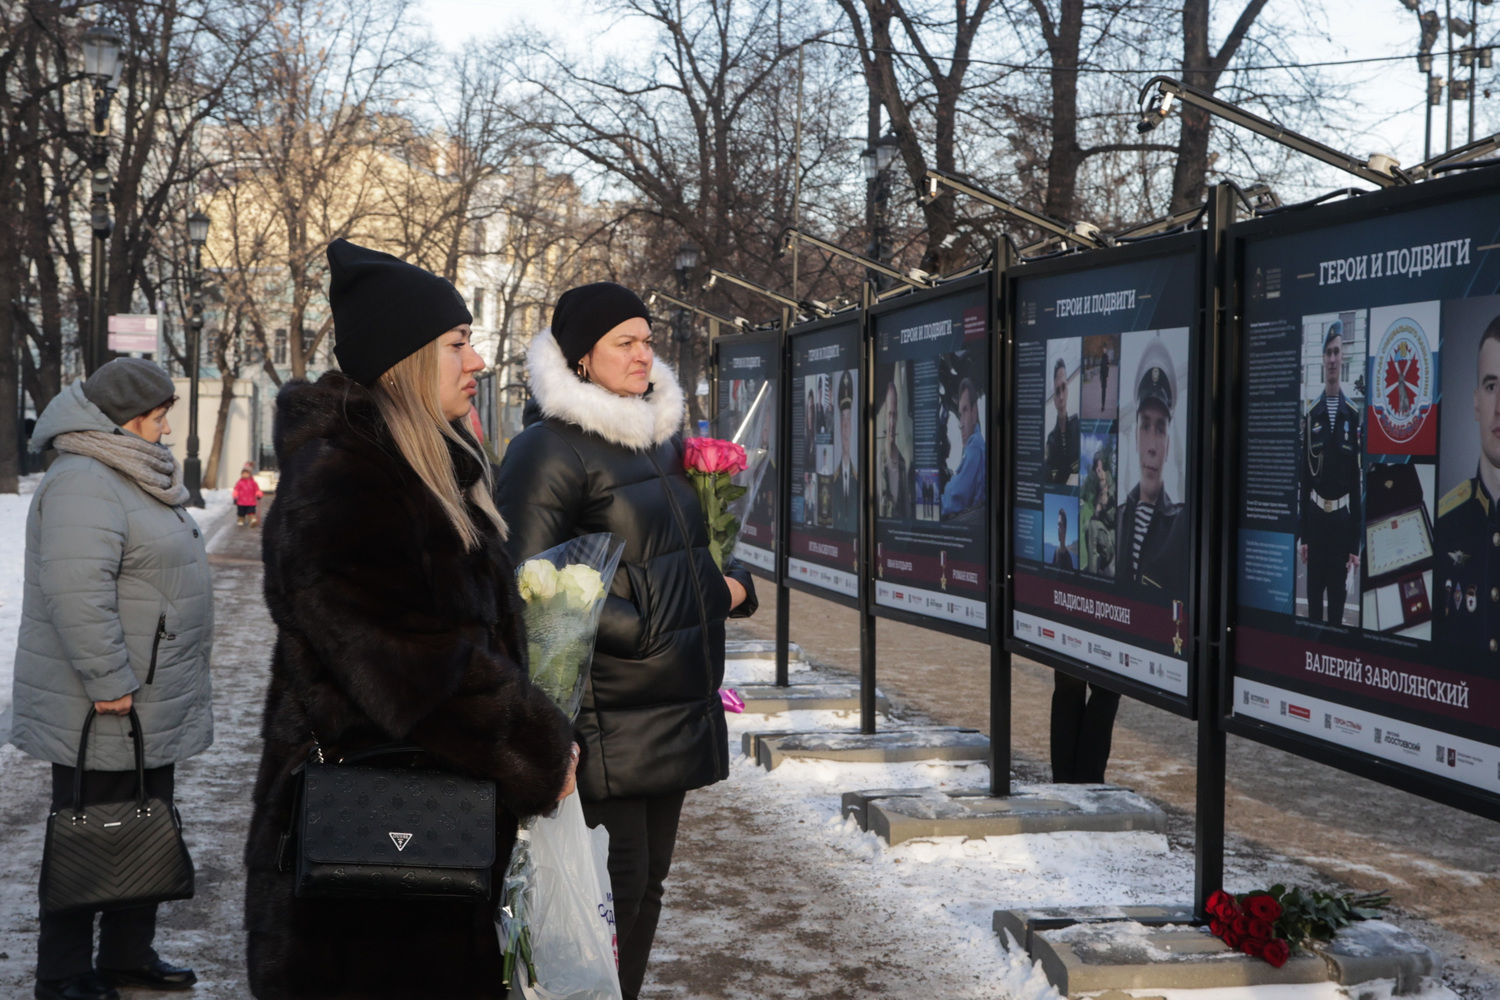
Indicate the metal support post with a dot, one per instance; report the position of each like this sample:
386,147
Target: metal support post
1000,666
1208,823
783,501
192,470
866,520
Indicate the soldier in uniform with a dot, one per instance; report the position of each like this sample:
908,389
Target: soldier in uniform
1062,443
895,479
1468,525
1331,524
1062,558
845,487
1152,534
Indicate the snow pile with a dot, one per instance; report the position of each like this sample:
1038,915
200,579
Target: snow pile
946,889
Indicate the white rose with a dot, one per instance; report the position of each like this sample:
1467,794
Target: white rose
582,584
538,580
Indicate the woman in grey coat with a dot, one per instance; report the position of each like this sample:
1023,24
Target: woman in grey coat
117,613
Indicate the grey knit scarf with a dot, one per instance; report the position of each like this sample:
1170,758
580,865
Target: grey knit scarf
151,466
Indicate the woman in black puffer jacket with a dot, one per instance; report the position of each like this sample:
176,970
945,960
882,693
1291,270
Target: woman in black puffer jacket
602,452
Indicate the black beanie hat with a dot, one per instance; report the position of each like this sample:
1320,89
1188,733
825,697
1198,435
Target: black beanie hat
385,310
588,312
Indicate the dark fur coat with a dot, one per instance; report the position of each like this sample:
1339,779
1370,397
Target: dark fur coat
387,630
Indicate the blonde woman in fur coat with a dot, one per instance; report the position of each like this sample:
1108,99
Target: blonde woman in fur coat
602,452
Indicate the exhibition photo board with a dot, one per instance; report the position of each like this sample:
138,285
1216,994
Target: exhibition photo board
747,411
825,387
933,418
1363,618
1105,418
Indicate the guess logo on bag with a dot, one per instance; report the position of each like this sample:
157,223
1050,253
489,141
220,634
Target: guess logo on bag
400,840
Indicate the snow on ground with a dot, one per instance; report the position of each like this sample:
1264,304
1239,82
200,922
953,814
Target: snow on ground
948,888
217,509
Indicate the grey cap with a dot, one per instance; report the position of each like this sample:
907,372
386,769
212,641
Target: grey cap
128,387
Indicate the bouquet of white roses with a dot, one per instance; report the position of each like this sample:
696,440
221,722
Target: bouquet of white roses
554,919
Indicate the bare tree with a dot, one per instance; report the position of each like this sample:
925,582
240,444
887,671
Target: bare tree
299,154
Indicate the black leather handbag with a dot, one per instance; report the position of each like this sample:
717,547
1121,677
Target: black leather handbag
364,832
108,855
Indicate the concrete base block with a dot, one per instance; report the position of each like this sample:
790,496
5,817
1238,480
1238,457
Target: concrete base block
768,699
1375,949
930,812
1126,955
895,746
1093,949
759,649
1021,923
750,742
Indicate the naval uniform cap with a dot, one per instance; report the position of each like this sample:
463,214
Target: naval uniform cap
1156,377
846,392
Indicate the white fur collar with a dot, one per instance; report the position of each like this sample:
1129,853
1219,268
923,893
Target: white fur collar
636,422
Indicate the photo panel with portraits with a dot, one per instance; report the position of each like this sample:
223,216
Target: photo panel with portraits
932,424
748,407
826,487
1366,552
1104,414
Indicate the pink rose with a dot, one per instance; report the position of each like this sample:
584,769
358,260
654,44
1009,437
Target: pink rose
711,456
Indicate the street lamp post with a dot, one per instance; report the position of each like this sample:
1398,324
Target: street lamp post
102,65
192,471
876,161
687,259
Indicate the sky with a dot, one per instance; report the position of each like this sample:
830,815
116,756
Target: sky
1389,116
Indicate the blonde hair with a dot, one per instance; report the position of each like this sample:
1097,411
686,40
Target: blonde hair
407,396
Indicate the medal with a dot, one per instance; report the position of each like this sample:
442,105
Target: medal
1471,598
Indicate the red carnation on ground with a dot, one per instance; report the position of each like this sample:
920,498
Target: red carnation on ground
1222,905
1276,952
1263,906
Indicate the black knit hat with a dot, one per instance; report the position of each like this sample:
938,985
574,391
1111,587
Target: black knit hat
588,312
385,310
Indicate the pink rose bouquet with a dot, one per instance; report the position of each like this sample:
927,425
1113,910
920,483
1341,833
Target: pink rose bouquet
710,465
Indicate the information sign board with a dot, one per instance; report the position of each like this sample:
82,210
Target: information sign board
1102,470
1365,557
825,387
133,333
933,423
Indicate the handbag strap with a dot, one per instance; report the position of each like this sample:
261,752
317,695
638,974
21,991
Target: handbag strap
140,758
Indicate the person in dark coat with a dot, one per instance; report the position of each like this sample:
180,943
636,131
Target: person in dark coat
602,452
397,620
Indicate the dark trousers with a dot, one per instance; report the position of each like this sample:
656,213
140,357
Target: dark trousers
1083,720
642,833
1328,566
65,946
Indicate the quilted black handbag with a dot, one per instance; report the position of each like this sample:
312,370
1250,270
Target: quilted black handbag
107,855
365,832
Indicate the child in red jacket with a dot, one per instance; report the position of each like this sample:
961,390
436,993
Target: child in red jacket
246,498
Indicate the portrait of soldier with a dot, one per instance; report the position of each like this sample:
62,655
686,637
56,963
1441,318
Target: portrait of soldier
968,488
895,477
1152,532
810,432
1330,519
1467,575
1062,442
1100,532
1062,558
845,485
